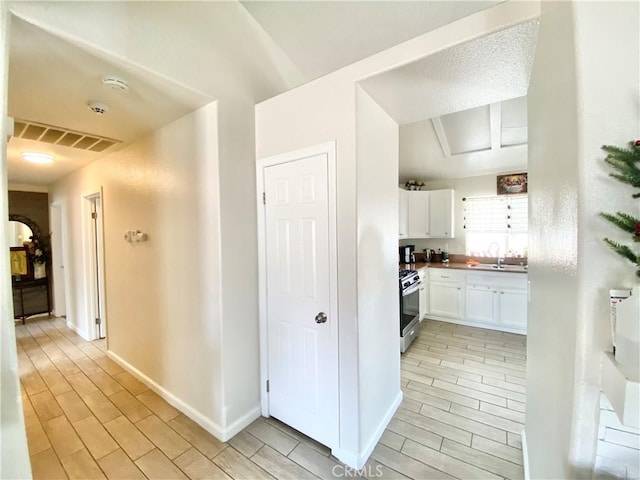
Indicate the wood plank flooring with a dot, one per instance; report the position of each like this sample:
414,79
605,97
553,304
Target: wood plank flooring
461,417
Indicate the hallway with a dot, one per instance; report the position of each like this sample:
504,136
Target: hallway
86,417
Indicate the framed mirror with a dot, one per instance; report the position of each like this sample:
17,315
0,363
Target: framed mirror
24,238
19,233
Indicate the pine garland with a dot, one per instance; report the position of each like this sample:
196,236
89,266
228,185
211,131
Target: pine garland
627,163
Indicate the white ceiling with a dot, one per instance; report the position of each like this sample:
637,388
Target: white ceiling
323,36
51,81
426,96
480,72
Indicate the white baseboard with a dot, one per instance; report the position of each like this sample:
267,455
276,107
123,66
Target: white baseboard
525,456
358,460
79,331
221,433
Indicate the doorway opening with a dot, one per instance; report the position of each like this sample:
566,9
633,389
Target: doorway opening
93,265
58,260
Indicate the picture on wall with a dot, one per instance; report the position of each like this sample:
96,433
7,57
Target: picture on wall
512,183
18,260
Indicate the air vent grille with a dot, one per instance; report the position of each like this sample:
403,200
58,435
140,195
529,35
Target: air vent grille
61,136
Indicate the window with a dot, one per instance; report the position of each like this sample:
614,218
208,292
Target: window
496,226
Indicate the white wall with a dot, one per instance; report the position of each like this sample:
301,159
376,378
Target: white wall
163,296
324,110
183,42
14,456
378,301
583,94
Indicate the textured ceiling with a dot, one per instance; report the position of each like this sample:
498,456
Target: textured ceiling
484,71
323,36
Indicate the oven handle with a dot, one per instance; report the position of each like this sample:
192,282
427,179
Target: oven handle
413,288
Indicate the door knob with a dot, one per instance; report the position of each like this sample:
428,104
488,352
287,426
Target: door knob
321,317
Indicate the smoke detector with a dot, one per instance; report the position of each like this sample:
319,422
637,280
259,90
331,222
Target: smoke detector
115,83
98,108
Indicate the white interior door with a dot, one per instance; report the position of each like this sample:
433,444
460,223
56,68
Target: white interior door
58,261
301,331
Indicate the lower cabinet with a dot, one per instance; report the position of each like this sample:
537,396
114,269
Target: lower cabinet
424,294
496,300
446,293
481,303
513,307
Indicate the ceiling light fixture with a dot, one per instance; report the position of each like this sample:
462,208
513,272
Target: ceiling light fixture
98,108
115,83
36,157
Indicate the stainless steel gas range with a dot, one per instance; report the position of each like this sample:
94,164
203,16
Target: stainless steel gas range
409,307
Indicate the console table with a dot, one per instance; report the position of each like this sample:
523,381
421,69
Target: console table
31,297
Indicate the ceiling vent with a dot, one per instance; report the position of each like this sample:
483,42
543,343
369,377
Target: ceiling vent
98,108
115,83
61,136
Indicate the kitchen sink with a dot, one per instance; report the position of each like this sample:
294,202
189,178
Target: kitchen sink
495,266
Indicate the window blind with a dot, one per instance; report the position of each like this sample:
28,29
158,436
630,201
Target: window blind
496,214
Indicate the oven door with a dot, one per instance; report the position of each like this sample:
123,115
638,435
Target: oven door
409,306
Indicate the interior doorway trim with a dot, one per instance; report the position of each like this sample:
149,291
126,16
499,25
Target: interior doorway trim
93,264
59,258
329,149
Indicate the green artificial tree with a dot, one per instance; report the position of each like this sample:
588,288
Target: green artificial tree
626,162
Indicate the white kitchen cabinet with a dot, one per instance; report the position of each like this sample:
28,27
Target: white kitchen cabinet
513,307
424,294
446,293
418,214
497,299
403,211
425,214
481,303
441,214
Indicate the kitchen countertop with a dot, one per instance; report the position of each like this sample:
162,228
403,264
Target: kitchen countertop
463,266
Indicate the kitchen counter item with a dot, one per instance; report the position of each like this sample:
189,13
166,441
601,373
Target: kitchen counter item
464,266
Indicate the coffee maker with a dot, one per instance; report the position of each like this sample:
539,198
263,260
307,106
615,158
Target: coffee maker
406,254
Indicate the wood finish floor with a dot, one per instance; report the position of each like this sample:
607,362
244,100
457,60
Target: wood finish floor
462,415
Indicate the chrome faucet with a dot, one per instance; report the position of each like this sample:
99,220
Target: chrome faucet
500,262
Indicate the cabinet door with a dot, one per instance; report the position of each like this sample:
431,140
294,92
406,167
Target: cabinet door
446,300
423,301
481,302
513,308
441,214
403,219
424,298
418,203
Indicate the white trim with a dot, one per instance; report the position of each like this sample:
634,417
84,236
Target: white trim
358,461
328,149
442,136
89,261
57,227
222,434
487,326
25,187
495,122
82,332
525,456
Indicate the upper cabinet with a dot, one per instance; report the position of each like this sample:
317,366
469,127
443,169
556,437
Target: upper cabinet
403,210
418,214
441,214
426,214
